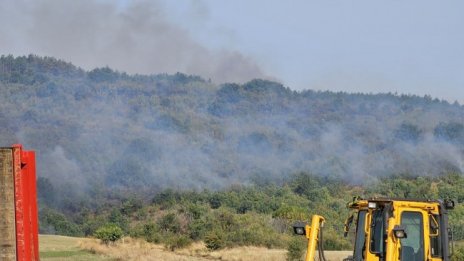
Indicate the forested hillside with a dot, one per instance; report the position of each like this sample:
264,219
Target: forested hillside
103,135
151,132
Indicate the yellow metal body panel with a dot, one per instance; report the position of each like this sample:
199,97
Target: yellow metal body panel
393,245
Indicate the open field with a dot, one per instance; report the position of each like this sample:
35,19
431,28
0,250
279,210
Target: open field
53,248
57,248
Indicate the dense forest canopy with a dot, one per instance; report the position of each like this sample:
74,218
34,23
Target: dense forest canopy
149,132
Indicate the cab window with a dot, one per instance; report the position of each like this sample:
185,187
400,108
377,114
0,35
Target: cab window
412,247
360,241
377,232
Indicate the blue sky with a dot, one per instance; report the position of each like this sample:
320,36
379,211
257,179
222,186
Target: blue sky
408,47
414,47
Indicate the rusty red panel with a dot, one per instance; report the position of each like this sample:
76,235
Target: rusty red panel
25,204
28,163
19,204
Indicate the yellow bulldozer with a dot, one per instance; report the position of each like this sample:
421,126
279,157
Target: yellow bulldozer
389,229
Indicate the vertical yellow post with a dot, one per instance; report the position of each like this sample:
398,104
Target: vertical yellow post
312,233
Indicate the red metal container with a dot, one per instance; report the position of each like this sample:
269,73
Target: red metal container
18,168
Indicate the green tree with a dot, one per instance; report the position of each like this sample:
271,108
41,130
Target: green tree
53,222
109,233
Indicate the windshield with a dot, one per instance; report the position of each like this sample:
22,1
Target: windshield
359,244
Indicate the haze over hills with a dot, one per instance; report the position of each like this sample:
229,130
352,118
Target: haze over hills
103,128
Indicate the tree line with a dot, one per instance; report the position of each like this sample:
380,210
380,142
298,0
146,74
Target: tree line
259,214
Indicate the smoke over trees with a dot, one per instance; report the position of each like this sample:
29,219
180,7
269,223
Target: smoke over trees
103,128
138,38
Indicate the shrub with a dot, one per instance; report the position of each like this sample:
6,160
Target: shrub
458,254
215,201
151,233
295,249
169,223
197,229
92,224
214,241
109,233
53,222
333,241
178,241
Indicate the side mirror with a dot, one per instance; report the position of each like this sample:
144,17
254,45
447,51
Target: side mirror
299,228
399,232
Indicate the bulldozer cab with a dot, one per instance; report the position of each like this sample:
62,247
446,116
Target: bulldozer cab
400,229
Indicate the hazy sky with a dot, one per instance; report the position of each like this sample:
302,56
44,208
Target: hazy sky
412,47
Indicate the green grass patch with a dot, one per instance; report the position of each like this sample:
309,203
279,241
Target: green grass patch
65,253
60,248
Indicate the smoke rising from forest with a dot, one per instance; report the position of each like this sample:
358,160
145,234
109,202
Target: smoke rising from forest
104,129
135,39
158,131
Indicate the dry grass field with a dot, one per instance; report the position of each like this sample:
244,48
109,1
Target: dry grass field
54,248
134,249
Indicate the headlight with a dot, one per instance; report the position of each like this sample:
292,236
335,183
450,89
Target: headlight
299,228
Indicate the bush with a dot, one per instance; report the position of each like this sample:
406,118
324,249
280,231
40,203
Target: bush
169,223
214,241
53,222
198,228
151,233
333,241
296,248
178,241
215,201
92,224
109,233
458,254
